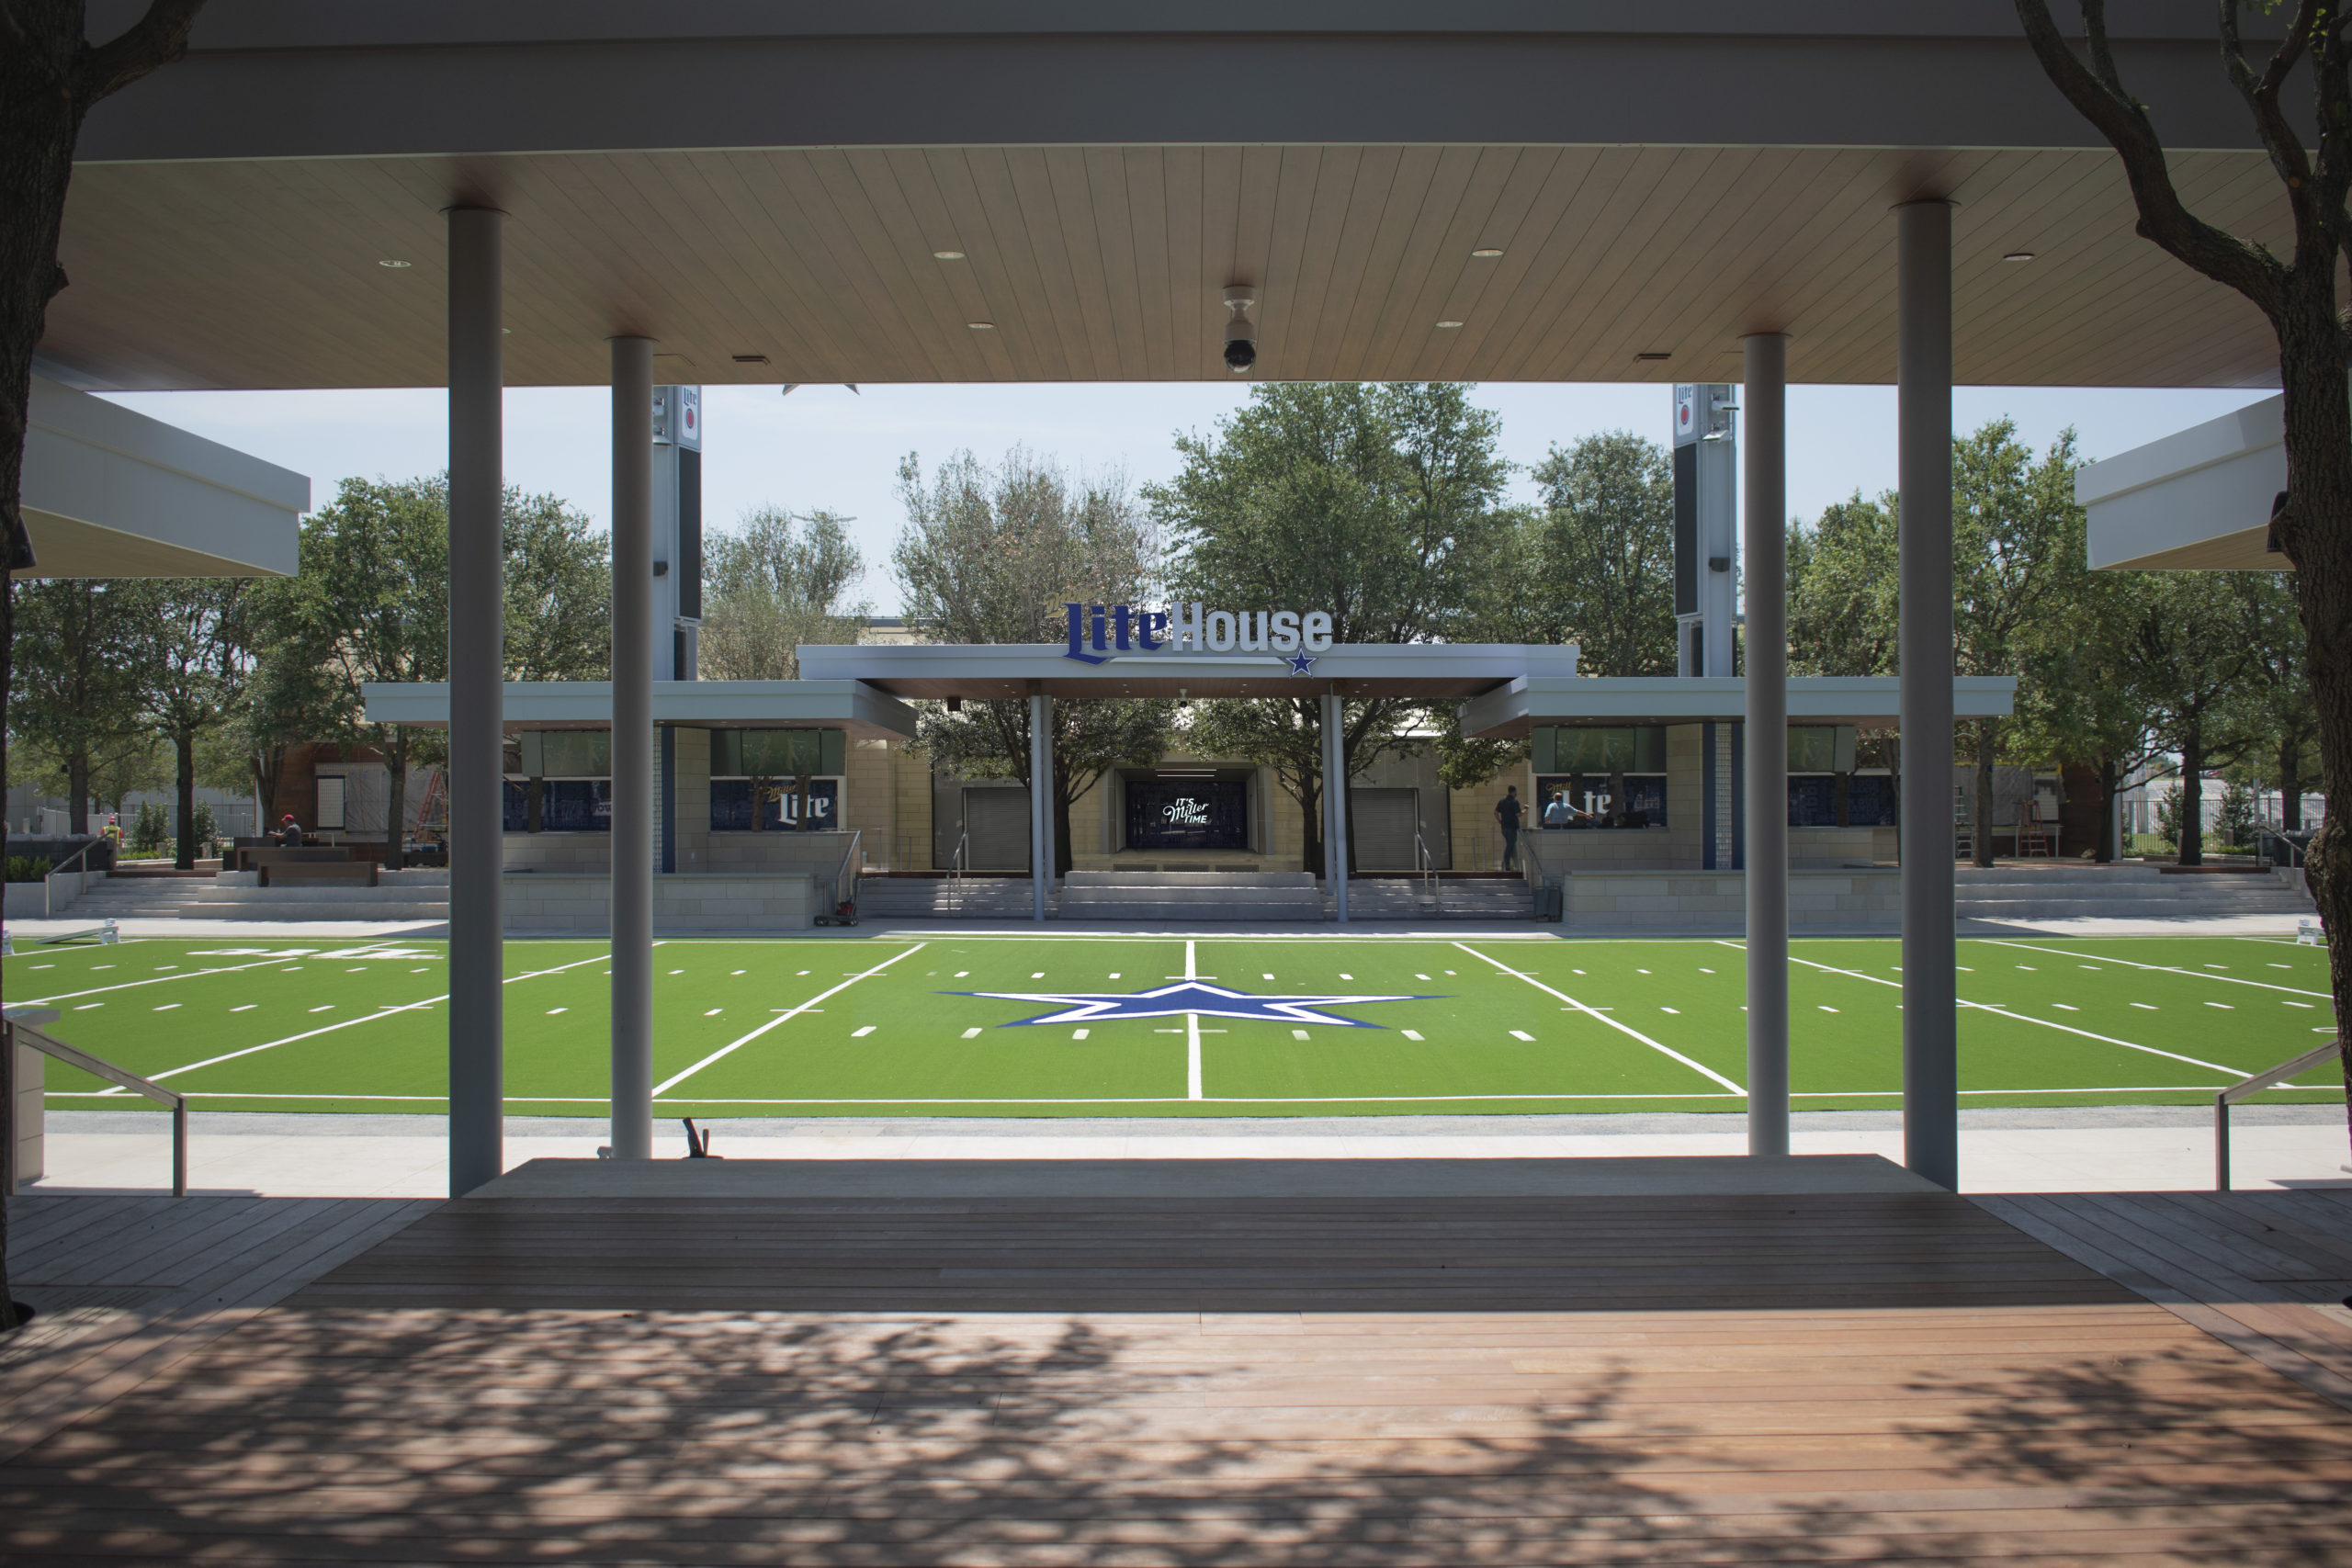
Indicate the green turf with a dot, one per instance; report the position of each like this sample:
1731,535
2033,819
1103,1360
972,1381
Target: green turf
849,1025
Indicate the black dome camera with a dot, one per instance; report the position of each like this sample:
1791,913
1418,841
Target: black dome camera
1239,355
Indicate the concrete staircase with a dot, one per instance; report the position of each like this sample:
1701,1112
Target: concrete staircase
2076,890
938,899
1458,898
1188,896
420,895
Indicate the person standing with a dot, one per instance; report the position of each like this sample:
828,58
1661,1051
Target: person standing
1506,813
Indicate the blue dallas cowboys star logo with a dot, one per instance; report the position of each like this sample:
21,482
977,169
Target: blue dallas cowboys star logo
1188,997
1301,662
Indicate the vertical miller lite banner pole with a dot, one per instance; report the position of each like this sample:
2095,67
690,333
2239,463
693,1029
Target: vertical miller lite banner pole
1706,527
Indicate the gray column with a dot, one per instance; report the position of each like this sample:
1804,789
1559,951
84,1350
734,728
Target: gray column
632,847
477,739
1764,544
1335,801
1040,784
1923,467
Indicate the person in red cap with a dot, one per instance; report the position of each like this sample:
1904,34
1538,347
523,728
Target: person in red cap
289,832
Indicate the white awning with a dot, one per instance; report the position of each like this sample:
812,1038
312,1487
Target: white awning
1016,670
112,494
1677,699
716,704
2198,499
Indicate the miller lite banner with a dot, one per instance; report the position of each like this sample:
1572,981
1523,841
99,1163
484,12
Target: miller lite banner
1098,634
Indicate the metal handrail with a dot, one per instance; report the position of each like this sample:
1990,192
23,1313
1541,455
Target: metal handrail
1425,865
21,1030
955,866
849,868
2269,1078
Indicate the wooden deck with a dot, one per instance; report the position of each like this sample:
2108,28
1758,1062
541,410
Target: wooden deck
858,1377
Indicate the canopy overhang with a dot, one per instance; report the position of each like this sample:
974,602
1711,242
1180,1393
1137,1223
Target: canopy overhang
2199,499
1429,672
731,705
1872,700
107,493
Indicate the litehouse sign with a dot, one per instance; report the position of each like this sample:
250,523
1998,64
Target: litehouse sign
1100,632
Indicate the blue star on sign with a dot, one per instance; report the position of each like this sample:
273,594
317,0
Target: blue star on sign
1301,662
1184,996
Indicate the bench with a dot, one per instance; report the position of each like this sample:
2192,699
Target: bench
359,874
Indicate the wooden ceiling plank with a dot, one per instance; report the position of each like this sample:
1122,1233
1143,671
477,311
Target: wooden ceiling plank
877,256
1074,228
1339,185
1287,327
1436,254
1399,199
963,286
1148,252
792,201
1590,266
1541,239
1193,315
817,347
1008,260
1517,177
1112,232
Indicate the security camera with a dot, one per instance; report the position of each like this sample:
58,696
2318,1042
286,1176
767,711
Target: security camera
1240,334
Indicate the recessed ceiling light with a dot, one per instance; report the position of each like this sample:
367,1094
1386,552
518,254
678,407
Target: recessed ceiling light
388,262
1486,253
1656,353
749,359
1447,326
981,326
2019,256
947,255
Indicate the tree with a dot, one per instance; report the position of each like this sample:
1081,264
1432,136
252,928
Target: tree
775,580
1842,583
2278,696
1375,504
2297,294
190,673
77,675
2012,519
50,74
1596,563
991,555
559,587
2186,645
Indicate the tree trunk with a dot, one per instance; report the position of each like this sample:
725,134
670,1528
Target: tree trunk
2107,851
396,802
2290,783
78,791
1310,819
2192,798
1061,823
1982,839
535,805
184,796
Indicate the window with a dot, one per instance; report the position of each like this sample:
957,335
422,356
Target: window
1644,798
731,805
566,806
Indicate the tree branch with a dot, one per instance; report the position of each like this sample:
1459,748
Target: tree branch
156,39
2100,98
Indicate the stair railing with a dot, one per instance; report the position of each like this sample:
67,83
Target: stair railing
846,874
20,1030
1425,866
2269,1078
956,862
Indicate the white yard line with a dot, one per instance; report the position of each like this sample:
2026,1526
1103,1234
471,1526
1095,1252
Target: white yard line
387,1011
1192,1031
734,1045
2026,1018
1622,1028
2158,969
155,980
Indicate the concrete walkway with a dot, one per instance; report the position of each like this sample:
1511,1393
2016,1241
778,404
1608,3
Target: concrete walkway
2117,1148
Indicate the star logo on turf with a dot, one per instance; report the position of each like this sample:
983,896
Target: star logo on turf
1301,662
1186,997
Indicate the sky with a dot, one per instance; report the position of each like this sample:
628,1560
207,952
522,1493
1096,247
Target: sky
824,448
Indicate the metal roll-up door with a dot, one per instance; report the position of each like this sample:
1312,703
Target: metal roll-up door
998,820
1381,822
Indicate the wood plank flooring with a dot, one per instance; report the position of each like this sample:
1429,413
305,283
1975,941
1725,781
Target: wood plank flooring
2267,1272
1045,1379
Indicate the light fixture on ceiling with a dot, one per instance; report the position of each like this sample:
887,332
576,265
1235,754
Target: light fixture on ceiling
749,359
1447,326
1653,356
981,326
1487,252
395,265
2019,257
947,255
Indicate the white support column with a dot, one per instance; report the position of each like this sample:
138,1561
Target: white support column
476,736
1923,467
1040,785
632,819
1335,801
1764,515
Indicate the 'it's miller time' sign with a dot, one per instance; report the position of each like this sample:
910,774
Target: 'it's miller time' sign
1101,633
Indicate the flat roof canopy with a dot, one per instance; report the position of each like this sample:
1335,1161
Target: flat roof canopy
112,494
1872,700
2199,499
721,705
763,190
1431,672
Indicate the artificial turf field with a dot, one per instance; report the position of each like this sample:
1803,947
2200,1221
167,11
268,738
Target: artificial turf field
848,1026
